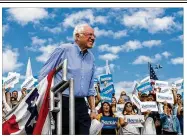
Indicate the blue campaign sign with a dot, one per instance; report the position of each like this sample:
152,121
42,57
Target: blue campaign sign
106,77
108,90
109,122
145,87
106,97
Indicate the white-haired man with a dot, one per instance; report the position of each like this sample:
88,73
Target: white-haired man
81,68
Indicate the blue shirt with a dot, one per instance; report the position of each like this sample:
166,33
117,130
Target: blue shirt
80,67
170,123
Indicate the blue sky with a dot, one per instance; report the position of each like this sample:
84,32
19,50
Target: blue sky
127,37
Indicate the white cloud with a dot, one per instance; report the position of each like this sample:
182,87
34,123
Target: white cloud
38,41
102,70
46,52
152,43
180,13
112,49
178,60
25,15
181,37
54,30
149,19
109,33
5,29
109,57
10,60
166,54
84,16
145,59
132,45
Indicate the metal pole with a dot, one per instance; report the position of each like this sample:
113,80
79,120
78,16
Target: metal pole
59,114
71,108
64,69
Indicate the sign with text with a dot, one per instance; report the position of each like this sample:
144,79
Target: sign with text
161,97
120,107
161,84
145,87
135,85
109,122
152,106
29,82
106,77
106,97
108,90
11,80
136,101
95,127
135,120
179,84
165,90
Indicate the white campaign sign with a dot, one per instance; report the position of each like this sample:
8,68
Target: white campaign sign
11,80
145,106
166,90
29,82
119,108
161,84
136,101
161,97
179,84
135,120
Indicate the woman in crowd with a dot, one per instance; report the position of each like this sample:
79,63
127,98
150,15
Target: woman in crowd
170,123
106,111
127,129
113,105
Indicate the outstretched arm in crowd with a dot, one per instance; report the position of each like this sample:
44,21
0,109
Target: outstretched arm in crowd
122,122
98,97
174,91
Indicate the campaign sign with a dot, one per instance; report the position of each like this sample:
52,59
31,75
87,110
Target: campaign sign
165,90
29,82
161,97
135,120
108,90
161,84
106,77
144,87
145,80
136,101
109,122
106,97
135,85
11,80
152,106
120,107
179,84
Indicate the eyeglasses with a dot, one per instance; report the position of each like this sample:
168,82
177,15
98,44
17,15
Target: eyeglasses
88,34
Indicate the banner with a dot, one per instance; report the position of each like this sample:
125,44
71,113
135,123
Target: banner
161,84
95,80
166,90
119,108
106,77
135,120
29,82
161,97
109,122
145,106
11,80
108,90
145,80
145,87
179,84
106,97
136,101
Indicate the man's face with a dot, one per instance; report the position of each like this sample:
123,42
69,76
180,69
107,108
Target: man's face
15,95
86,38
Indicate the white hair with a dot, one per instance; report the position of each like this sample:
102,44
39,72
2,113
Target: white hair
78,29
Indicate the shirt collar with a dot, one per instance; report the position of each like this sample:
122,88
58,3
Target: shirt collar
79,50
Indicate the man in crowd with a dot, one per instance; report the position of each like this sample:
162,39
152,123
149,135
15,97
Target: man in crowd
81,68
14,98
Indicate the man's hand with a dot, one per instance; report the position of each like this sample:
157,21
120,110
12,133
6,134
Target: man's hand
93,115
